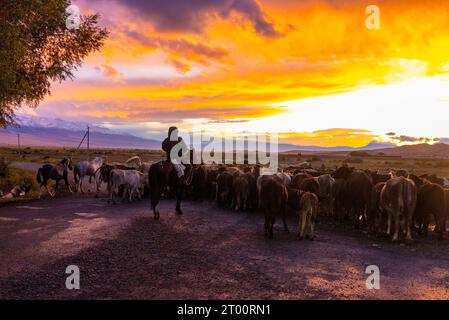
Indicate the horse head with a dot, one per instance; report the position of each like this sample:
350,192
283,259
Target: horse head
67,163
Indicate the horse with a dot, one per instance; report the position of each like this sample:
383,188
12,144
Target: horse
54,172
85,168
161,175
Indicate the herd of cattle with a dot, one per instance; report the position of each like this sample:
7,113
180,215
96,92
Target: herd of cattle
397,203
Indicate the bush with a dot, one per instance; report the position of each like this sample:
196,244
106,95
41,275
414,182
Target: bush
354,160
17,177
3,167
314,159
359,154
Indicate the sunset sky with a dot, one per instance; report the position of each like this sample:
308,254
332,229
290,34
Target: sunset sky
308,70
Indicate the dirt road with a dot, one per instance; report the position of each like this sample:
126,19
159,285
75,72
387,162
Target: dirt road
207,253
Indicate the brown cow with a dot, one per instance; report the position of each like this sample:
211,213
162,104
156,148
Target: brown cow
377,217
240,188
298,179
378,177
223,195
198,188
273,200
431,202
398,198
326,183
307,215
353,193
310,185
433,178
253,198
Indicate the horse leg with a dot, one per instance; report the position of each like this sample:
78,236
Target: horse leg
48,190
40,191
66,181
56,188
155,198
178,200
97,184
111,197
80,183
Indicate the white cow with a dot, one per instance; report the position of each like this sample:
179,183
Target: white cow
132,182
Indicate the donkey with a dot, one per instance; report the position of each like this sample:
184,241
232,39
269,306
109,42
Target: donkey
54,172
85,168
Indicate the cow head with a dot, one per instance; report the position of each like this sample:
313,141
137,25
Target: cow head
342,173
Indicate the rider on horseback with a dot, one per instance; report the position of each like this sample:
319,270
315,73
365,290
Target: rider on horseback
170,145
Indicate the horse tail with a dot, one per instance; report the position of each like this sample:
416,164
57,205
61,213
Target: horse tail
39,176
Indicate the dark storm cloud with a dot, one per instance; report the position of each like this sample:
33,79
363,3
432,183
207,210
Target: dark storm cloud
191,15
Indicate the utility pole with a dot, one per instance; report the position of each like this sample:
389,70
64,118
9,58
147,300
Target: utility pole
18,143
88,143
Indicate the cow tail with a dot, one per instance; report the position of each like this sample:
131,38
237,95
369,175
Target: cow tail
402,203
39,176
407,194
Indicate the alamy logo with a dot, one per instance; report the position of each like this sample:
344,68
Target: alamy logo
373,280
72,282
226,148
73,21
372,22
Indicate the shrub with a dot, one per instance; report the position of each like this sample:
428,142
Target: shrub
354,160
359,154
3,167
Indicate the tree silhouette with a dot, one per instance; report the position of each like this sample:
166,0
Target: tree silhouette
37,48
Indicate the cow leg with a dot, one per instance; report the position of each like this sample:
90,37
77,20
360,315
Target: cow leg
284,221
390,216
112,192
131,192
266,225
408,236
302,224
396,226
237,202
440,226
426,223
273,220
312,228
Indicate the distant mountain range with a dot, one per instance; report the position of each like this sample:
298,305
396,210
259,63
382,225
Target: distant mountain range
423,150
39,131
374,145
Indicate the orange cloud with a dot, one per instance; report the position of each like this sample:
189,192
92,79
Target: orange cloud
233,59
331,137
